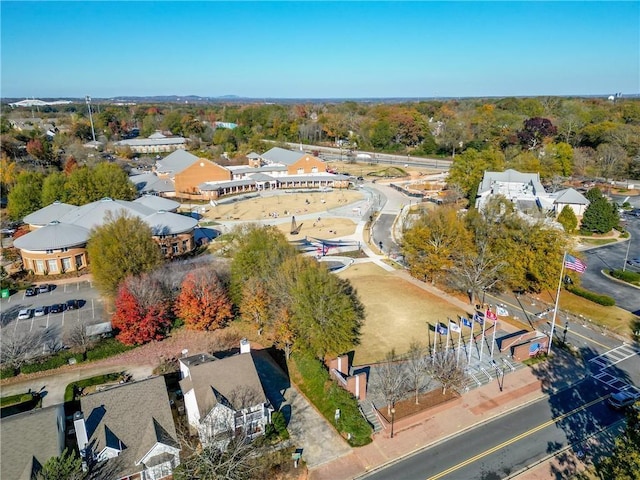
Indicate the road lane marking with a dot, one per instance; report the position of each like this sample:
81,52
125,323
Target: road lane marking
516,439
573,332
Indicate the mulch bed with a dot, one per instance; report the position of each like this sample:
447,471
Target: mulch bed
408,407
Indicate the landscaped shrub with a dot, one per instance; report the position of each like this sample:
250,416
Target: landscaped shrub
7,372
89,382
108,347
49,363
327,396
280,425
627,276
594,297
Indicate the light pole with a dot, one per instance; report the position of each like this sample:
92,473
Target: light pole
393,415
626,257
88,100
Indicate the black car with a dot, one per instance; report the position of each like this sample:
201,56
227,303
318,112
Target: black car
73,304
56,308
30,292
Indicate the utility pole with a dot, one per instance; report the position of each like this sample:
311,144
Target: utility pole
93,132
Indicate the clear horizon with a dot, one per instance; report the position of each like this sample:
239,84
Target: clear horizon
319,50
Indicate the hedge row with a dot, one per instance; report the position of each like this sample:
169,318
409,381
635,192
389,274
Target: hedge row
605,300
627,276
327,396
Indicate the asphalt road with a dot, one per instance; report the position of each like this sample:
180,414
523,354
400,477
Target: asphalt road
611,257
498,448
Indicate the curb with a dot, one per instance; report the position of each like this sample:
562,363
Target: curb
464,430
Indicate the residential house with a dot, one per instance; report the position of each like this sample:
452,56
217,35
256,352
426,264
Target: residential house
224,398
127,432
57,242
572,198
29,439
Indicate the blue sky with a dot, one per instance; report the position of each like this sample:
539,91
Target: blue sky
319,49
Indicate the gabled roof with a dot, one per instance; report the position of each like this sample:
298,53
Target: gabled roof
49,213
29,439
132,418
176,162
233,378
570,196
281,155
150,182
93,214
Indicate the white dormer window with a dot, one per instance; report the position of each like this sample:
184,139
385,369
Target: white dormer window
300,171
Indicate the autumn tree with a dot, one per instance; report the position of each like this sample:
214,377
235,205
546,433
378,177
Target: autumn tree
567,218
468,169
142,313
432,243
54,188
121,247
255,304
203,303
534,132
25,196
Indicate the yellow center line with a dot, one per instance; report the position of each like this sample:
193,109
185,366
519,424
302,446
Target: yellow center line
573,332
515,439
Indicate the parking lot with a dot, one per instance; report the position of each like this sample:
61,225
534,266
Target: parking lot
51,325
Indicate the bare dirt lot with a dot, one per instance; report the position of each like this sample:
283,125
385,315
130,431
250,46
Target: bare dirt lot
397,312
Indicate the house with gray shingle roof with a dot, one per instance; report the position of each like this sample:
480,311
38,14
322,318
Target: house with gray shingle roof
572,198
29,439
128,431
224,398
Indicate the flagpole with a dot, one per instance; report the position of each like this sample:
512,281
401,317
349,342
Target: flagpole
470,342
555,310
493,340
459,344
448,330
435,340
484,325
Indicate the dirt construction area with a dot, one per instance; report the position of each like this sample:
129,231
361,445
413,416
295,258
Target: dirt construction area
397,312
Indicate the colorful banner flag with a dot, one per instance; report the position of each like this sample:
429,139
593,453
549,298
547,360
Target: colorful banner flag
501,311
490,315
477,317
442,330
573,263
466,322
454,326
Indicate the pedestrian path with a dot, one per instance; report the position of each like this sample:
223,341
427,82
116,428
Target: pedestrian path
614,356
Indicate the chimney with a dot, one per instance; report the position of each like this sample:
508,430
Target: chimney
245,346
81,433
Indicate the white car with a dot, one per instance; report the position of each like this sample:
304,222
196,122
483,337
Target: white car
40,312
24,314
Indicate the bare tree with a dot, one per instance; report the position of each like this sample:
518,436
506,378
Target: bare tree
78,339
417,368
447,371
390,380
17,347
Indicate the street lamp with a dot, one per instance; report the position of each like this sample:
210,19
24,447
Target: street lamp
393,415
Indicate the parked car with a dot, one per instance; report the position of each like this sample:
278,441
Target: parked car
40,312
623,399
30,292
634,262
8,231
24,314
56,308
73,304
44,288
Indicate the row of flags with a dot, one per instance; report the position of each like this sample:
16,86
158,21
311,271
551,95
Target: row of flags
478,317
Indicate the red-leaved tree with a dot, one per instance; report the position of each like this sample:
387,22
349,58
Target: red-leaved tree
203,302
142,313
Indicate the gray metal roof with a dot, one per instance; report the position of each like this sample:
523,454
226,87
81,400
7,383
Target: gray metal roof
511,176
281,155
262,177
150,182
29,439
49,213
167,223
176,162
136,414
93,214
53,236
570,196
158,203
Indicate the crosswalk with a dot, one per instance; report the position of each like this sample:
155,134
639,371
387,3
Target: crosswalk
602,362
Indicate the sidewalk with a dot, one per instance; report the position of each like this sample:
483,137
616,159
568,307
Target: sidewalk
439,424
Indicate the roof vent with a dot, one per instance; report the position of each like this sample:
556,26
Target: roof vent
54,222
106,199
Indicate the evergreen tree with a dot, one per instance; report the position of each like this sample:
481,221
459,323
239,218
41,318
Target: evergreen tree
568,219
599,217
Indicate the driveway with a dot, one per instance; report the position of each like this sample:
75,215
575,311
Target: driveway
319,441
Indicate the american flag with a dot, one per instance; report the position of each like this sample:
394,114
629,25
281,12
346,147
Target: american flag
534,348
573,263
